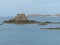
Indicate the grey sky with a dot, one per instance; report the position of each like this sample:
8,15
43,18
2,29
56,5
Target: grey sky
12,7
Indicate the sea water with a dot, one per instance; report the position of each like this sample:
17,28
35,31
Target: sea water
30,34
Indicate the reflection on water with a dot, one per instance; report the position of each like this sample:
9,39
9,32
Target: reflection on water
30,34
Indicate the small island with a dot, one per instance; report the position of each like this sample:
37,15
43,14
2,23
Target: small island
21,19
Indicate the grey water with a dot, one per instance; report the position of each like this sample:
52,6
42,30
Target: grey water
30,34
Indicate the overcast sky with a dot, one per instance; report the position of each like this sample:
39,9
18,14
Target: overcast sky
12,7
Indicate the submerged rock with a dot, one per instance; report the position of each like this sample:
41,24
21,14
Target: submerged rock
51,28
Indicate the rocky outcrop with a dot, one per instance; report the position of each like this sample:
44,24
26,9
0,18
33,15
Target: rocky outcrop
51,28
21,19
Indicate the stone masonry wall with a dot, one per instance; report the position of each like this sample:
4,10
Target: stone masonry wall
20,17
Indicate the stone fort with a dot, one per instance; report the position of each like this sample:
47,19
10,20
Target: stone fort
20,17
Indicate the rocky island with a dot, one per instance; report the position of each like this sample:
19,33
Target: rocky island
21,19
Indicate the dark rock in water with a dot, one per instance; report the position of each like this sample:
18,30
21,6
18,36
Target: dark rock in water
42,23
51,28
21,22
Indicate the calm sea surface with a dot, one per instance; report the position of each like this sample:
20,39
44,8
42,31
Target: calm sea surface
30,34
